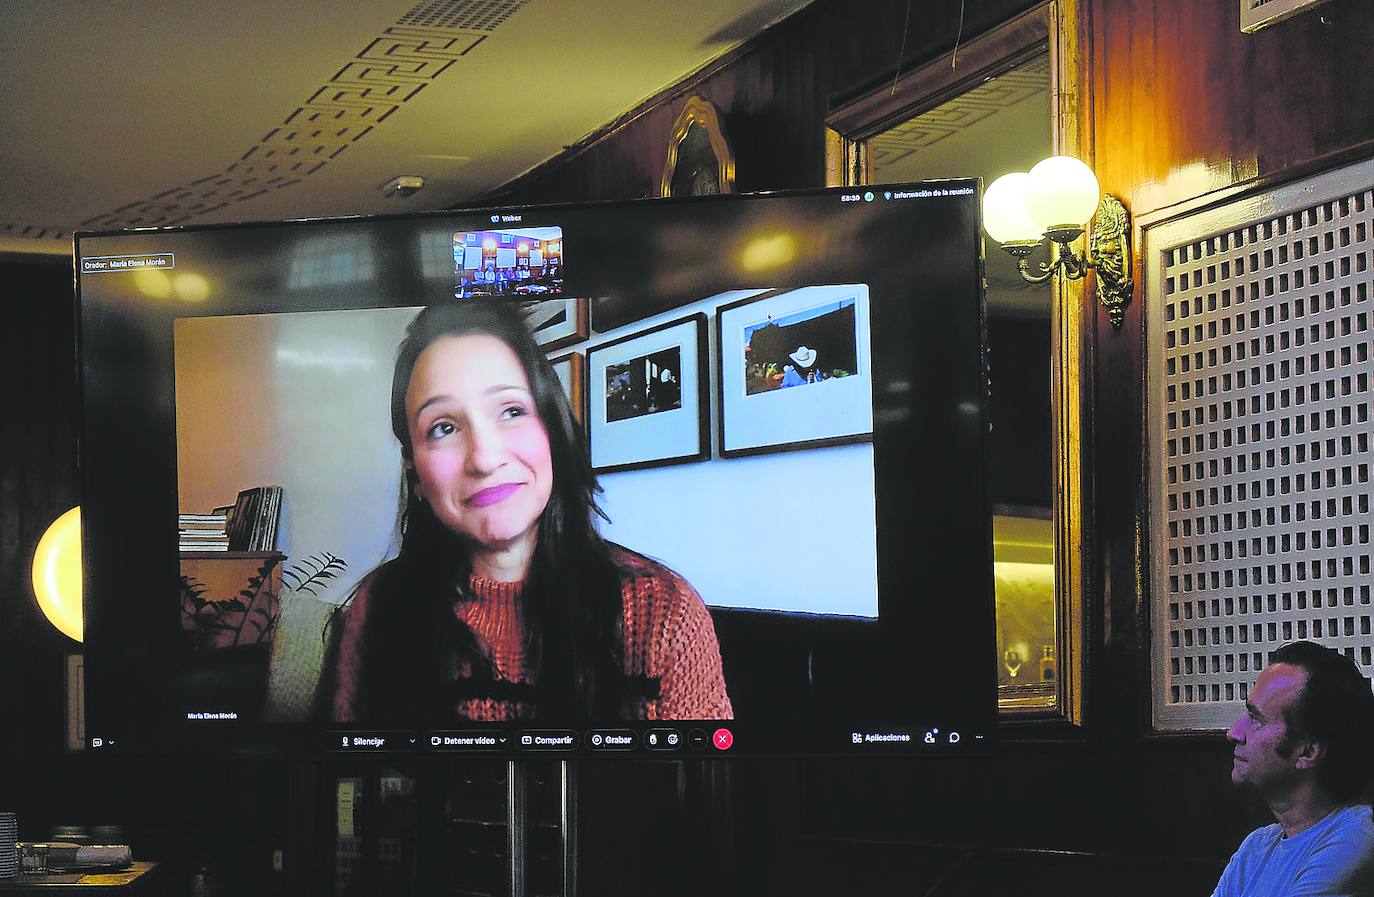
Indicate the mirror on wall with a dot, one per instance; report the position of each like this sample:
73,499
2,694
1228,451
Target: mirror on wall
993,108
1003,124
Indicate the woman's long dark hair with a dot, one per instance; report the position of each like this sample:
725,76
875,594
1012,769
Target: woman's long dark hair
418,659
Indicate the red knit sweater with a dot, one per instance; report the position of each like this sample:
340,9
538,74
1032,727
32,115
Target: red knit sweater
668,636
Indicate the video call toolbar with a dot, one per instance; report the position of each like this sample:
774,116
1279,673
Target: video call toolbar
665,739
702,738
658,739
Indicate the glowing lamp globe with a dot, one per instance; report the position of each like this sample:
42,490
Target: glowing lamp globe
57,573
1061,192
1004,210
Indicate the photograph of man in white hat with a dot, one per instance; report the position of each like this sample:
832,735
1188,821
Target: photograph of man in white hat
811,346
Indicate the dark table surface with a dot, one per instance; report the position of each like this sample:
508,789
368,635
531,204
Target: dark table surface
137,879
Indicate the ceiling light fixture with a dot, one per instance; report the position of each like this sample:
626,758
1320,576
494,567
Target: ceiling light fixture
1050,203
402,186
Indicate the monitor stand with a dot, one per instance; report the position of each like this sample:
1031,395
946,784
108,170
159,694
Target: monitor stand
701,800
518,823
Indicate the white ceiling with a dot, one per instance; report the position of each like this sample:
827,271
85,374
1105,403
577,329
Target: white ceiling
118,112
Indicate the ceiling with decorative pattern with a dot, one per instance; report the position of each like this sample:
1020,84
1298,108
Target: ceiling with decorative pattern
1025,87
159,112
997,126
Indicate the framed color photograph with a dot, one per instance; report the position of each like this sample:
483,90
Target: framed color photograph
558,322
572,373
647,398
795,370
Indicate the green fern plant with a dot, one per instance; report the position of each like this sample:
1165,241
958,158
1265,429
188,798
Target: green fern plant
313,574
251,615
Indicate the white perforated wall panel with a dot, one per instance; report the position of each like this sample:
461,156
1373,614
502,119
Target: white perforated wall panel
1259,438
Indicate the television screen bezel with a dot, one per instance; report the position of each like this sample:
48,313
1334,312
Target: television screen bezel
314,738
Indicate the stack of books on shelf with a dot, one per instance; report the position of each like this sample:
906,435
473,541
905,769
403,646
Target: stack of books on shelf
253,521
204,532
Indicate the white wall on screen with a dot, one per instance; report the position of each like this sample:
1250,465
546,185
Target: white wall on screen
302,401
790,531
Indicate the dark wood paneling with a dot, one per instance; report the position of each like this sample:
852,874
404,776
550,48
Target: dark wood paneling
174,811
774,95
1184,103
37,483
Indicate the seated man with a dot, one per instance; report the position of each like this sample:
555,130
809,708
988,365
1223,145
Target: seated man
1304,745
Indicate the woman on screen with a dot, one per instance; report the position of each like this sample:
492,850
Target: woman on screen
504,602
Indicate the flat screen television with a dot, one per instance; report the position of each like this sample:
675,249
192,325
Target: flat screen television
728,499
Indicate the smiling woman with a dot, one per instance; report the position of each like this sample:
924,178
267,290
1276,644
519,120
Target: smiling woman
479,450
504,602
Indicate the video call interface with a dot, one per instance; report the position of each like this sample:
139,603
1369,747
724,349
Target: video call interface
779,396
524,262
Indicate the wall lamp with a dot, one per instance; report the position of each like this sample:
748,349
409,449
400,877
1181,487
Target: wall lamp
57,573
1050,203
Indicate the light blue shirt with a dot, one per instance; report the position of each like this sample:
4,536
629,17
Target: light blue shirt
1333,858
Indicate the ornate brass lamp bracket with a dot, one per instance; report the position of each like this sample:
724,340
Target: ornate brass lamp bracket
1111,257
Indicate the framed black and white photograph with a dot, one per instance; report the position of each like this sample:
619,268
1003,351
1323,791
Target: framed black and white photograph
557,323
647,398
795,370
572,373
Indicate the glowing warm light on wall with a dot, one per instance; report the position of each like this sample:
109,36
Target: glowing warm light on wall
1019,571
1060,191
57,573
153,283
1004,210
191,287
1026,541
769,252
489,245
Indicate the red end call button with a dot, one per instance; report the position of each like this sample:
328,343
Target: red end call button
722,739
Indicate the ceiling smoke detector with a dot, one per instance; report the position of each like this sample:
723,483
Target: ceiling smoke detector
403,185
